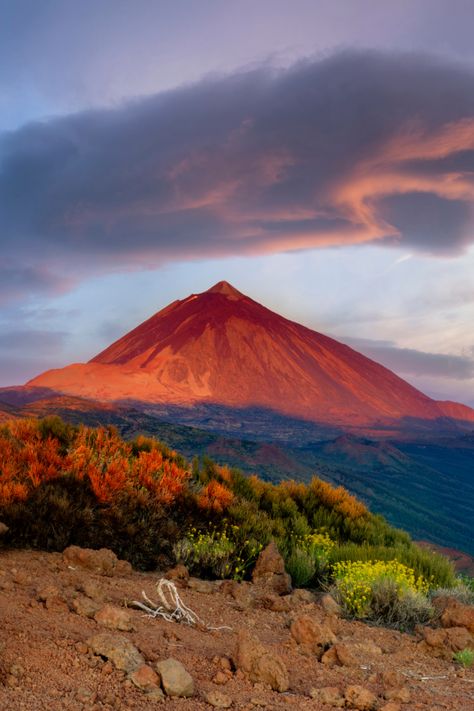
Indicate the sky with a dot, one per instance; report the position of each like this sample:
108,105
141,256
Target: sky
317,155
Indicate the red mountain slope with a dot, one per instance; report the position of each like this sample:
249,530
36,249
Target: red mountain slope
222,347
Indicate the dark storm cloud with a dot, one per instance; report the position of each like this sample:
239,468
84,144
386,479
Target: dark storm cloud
359,147
414,362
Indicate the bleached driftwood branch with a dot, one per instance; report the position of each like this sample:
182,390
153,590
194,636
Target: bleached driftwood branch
171,607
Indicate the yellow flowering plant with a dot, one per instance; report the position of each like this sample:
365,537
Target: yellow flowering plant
357,584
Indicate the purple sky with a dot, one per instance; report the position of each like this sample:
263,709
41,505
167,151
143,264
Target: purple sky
318,155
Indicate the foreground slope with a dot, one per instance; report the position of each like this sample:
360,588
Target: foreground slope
222,347
48,662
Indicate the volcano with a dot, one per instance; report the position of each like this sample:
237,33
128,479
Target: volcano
223,347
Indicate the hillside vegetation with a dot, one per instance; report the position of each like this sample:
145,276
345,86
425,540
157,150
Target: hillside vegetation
62,484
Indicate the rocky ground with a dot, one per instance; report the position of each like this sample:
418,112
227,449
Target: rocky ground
71,641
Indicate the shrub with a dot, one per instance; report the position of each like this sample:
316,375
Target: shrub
63,484
432,567
215,497
461,592
301,566
216,554
210,554
306,557
384,592
404,611
465,657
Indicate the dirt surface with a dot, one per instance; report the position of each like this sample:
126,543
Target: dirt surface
47,664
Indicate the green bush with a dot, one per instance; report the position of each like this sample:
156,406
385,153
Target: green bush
302,567
465,657
306,557
216,553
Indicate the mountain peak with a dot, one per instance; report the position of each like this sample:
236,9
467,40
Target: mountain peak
223,287
223,347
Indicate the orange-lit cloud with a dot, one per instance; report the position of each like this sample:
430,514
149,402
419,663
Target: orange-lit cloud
356,148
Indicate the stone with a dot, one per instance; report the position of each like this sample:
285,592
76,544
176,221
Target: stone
156,695
391,679
114,618
178,573
84,606
81,647
17,671
301,596
360,698
85,696
391,706
50,591
224,663
176,681
121,652
329,695
52,598
316,636
458,615
123,568
102,561
330,658
329,605
443,642
259,664
242,593
401,694
201,586
92,590
145,678
275,603
270,571
220,678
3,528
350,654
219,700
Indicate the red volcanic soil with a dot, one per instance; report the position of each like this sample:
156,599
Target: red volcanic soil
222,347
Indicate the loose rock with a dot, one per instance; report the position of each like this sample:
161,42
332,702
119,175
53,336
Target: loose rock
84,606
176,681
310,634
201,586
357,697
329,605
145,678
350,654
102,561
259,664
270,571
121,652
401,694
114,618
219,700
329,695
458,615
443,642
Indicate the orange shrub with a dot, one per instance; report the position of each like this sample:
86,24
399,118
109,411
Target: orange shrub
215,497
